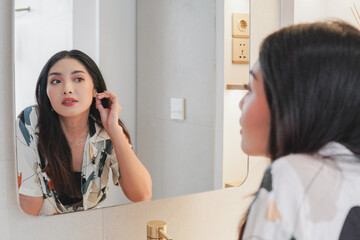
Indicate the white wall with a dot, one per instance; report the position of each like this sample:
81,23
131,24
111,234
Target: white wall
318,10
309,10
85,27
176,58
117,56
39,34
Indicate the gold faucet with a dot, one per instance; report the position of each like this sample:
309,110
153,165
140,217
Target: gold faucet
156,230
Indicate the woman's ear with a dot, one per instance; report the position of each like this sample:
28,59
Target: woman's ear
95,93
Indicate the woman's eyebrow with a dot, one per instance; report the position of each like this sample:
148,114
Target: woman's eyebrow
59,74
77,71
54,73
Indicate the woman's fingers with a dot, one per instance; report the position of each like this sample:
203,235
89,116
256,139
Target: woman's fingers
99,105
106,94
110,115
112,98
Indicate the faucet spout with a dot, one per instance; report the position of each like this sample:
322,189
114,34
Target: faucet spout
164,235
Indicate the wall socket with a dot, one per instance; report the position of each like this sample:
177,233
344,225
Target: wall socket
240,50
240,25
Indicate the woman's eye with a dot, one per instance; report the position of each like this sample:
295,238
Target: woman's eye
55,81
78,79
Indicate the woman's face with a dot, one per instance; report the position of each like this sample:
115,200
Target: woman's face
255,116
70,88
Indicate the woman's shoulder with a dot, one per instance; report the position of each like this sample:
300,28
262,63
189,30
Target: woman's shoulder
307,168
287,171
28,116
26,126
30,110
329,153
298,160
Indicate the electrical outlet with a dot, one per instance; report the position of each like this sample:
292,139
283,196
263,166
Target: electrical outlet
240,50
240,25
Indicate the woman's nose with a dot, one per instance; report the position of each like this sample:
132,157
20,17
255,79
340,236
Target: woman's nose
68,88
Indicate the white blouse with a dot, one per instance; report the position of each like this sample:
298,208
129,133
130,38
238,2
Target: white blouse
98,158
308,197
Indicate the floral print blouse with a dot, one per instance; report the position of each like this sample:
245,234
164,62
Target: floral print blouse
98,159
308,197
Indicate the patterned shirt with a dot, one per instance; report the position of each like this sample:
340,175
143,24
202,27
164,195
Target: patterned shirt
98,158
308,197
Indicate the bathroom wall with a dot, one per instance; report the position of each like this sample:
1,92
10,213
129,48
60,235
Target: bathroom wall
34,45
117,55
213,215
317,10
176,59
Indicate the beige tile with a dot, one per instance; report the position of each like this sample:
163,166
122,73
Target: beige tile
211,215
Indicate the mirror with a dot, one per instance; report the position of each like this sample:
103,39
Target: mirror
149,52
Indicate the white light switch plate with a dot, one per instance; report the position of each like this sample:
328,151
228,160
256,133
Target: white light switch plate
177,108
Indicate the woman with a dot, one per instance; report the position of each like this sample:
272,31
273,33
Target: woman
68,142
303,112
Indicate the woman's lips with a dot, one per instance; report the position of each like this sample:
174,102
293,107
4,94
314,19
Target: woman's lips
68,102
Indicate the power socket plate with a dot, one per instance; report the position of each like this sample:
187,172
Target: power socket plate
240,50
240,25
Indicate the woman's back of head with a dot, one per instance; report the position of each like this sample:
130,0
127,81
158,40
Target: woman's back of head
312,82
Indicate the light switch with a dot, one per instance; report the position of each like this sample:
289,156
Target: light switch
177,108
240,25
240,50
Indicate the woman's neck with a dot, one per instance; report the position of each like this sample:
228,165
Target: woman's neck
74,127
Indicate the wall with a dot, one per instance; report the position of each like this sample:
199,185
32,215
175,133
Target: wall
318,10
177,61
117,55
39,34
85,27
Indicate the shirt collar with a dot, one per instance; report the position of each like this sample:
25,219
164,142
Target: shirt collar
96,132
336,150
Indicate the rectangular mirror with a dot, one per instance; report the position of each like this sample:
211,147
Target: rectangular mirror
148,52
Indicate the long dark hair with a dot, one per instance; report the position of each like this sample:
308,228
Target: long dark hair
311,78
53,146
311,75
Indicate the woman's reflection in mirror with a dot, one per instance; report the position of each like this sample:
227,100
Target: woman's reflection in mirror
303,112
69,142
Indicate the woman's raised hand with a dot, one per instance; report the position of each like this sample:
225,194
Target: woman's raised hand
109,116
